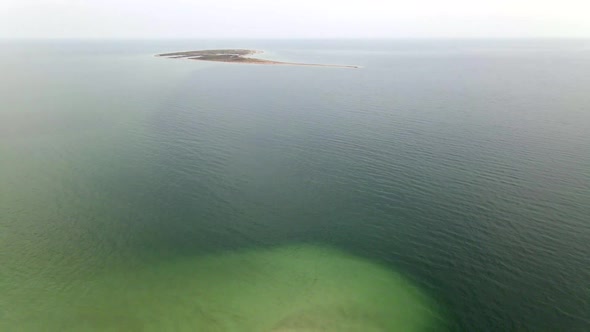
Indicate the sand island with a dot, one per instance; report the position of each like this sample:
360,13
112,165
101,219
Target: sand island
238,56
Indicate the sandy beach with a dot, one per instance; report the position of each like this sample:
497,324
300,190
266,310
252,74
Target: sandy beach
243,56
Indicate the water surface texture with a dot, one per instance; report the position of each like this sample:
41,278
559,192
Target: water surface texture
445,185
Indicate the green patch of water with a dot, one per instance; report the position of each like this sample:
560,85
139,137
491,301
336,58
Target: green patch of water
293,288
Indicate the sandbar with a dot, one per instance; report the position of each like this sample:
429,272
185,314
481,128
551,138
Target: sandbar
238,56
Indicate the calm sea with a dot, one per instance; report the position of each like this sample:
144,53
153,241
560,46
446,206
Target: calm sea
137,193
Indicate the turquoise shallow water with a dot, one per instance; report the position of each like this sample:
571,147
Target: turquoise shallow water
456,173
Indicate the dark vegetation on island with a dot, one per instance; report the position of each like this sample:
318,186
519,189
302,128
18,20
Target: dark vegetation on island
237,56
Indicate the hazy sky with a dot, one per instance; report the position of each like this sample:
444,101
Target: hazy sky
293,18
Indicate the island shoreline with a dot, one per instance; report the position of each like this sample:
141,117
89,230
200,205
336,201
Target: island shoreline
242,56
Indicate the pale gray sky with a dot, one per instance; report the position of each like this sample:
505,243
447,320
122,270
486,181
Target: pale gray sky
293,18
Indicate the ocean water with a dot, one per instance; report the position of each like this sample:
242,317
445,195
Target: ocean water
443,186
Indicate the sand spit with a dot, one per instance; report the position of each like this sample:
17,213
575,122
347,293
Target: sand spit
239,56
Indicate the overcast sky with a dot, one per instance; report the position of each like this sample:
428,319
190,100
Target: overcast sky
293,18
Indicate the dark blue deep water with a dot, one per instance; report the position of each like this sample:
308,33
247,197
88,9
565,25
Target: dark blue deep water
463,166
